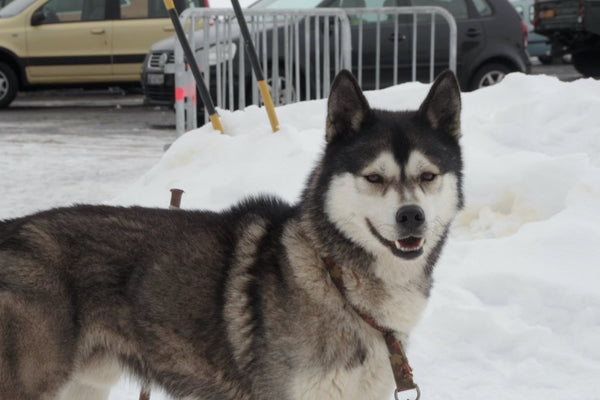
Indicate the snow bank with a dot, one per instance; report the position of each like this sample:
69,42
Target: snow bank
515,312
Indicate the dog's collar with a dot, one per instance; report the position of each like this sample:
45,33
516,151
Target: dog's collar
398,360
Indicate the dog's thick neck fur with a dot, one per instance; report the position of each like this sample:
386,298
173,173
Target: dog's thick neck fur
348,113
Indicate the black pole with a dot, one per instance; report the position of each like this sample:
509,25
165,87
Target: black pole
189,56
247,41
260,79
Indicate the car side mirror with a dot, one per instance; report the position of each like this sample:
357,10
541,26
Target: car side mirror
38,17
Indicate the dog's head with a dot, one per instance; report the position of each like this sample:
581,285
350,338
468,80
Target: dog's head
393,179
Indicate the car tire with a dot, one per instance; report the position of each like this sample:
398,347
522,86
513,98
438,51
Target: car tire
546,59
8,85
488,75
587,62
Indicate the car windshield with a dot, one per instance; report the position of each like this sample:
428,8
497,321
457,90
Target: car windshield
285,4
15,8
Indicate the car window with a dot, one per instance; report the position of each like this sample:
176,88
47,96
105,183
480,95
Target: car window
284,4
131,9
368,18
458,8
485,10
135,9
15,8
57,11
518,8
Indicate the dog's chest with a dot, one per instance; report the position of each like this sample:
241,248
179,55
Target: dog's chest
372,380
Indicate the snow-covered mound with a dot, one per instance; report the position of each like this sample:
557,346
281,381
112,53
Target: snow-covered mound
515,311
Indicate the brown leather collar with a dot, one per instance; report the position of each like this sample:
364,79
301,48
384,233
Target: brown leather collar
399,363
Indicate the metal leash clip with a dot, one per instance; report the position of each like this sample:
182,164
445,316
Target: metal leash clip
396,393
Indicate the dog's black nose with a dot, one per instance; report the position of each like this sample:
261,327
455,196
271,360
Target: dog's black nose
410,217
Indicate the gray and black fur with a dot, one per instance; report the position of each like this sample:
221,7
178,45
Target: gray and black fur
231,305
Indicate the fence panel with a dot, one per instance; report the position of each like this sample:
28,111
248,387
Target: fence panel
401,44
302,50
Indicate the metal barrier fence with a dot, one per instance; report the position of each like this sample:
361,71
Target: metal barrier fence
302,50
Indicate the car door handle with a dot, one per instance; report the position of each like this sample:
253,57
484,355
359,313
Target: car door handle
473,32
97,31
392,37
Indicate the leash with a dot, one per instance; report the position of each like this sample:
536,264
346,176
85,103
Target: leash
398,360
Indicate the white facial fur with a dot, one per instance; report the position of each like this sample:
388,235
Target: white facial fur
351,199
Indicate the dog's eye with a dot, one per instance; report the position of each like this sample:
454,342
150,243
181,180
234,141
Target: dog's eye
427,176
374,178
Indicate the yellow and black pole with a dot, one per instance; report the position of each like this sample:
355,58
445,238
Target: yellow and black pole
262,85
189,56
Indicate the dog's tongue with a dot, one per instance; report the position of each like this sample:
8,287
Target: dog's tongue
409,244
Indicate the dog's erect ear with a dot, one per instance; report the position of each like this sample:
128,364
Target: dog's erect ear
441,108
347,107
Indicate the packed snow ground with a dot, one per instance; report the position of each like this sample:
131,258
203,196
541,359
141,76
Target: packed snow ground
515,310
51,170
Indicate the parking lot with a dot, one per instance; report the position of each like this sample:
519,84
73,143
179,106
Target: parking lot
90,112
66,142
114,111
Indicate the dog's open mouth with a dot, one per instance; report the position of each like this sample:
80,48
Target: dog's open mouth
410,243
408,247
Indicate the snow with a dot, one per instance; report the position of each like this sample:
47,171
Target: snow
515,310
70,167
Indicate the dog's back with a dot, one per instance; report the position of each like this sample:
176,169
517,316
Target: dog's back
82,287
243,304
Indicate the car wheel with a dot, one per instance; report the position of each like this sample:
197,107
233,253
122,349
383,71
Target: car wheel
587,62
546,59
489,75
8,85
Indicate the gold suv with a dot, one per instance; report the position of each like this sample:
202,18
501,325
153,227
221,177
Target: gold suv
78,42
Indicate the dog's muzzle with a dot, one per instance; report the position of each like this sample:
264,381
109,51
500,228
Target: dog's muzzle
409,244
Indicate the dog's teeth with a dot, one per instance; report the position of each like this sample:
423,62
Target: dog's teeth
398,245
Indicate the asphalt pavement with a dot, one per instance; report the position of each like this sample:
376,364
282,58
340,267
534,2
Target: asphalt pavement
95,112
562,70
88,112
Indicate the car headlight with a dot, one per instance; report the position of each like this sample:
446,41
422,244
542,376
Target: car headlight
158,60
221,52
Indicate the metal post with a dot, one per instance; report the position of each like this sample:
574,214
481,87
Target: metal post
175,199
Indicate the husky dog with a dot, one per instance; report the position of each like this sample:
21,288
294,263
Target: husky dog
240,304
